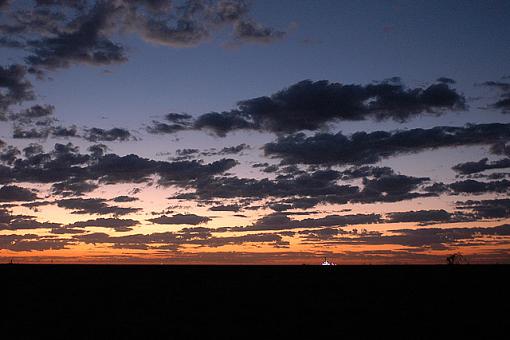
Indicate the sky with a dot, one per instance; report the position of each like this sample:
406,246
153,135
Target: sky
254,132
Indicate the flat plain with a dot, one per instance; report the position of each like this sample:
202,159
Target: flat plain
236,302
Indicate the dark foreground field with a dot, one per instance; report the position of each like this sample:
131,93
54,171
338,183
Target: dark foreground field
231,302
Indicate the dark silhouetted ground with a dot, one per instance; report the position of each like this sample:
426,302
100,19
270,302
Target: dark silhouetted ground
237,302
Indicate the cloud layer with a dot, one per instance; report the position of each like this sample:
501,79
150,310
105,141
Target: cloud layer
310,105
59,34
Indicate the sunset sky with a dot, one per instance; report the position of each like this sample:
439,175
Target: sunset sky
254,132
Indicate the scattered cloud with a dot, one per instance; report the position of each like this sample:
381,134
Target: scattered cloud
474,187
93,206
367,148
191,219
102,135
486,209
14,87
59,34
280,221
482,165
13,193
310,105
117,224
250,31
503,103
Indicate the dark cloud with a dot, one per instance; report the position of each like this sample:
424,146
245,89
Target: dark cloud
59,165
164,128
313,184
178,118
93,206
33,133
9,154
504,101
224,122
482,165
58,34
225,11
234,149
487,209
10,43
419,216
174,240
309,105
62,131
86,43
36,204
310,202
446,80
250,31
366,171
496,175
5,215
197,20
22,24
31,242
27,223
321,234
14,88
66,165
177,122
4,4
69,231
70,3
366,148
117,224
280,221
73,187
175,172
38,122
432,237
186,152
12,193
436,188
33,149
309,189
226,207
260,165
191,219
97,150
230,150
501,148
420,239
280,206
271,168
38,111
122,199
9,221
102,135
274,239
474,187
184,33
390,188
35,112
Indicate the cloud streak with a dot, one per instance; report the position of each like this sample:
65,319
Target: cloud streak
310,105
368,148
